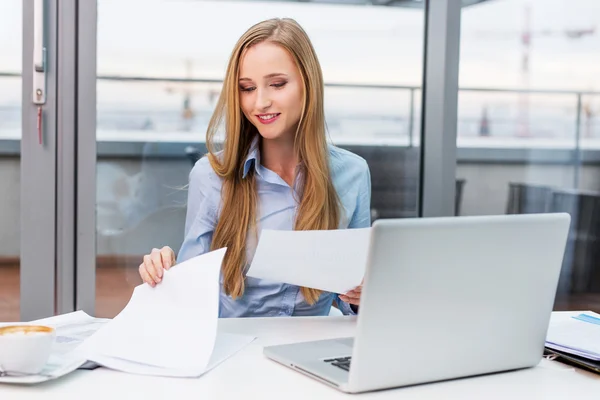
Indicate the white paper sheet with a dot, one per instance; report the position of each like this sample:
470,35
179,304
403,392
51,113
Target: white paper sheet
71,330
226,345
167,330
330,260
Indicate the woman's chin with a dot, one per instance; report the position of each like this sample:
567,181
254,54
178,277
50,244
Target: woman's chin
271,135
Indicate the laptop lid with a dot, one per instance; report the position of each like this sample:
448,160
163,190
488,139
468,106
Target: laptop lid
451,297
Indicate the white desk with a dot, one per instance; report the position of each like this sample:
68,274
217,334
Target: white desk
249,375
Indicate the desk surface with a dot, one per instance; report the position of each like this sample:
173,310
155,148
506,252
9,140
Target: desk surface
249,374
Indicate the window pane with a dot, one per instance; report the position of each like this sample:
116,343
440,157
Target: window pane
528,127
157,89
10,172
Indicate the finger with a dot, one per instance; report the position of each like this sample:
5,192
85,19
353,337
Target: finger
357,289
157,263
350,300
145,277
173,258
142,272
149,266
167,257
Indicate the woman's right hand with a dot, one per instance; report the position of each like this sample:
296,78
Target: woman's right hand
151,270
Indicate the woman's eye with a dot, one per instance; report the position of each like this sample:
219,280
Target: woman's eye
247,89
278,85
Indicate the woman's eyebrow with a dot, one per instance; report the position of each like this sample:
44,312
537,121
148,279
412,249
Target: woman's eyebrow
273,75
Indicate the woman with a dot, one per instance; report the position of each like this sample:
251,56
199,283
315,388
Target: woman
276,171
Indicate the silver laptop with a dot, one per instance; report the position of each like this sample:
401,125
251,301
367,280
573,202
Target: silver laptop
444,298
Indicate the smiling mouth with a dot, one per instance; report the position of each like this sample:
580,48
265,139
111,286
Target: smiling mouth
268,118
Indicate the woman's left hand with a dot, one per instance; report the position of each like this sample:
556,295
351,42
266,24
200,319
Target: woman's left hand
353,296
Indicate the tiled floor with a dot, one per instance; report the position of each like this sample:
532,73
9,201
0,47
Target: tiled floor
114,286
9,293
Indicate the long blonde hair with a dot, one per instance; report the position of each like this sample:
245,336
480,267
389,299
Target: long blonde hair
319,206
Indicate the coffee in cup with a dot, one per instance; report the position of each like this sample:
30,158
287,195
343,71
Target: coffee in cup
25,349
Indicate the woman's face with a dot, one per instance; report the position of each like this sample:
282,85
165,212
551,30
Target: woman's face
271,91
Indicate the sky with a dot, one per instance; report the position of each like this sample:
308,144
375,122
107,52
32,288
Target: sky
355,44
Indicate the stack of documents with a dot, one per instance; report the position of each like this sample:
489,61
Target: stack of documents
331,260
579,335
576,339
168,330
171,329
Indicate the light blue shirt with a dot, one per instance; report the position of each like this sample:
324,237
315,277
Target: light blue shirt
276,210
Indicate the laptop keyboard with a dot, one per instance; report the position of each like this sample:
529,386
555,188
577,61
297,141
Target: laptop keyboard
340,362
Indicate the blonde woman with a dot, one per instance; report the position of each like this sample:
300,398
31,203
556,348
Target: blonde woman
275,171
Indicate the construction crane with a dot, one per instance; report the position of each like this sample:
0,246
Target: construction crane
526,36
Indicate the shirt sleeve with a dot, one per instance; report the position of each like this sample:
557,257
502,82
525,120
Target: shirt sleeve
362,214
360,219
201,216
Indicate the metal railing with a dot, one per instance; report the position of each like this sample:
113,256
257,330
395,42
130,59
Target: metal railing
578,96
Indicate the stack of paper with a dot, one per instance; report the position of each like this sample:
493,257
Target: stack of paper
332,260
578,335
171,329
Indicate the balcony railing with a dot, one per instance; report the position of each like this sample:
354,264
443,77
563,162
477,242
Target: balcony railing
488,118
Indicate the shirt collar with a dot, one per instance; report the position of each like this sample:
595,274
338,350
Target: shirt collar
253,157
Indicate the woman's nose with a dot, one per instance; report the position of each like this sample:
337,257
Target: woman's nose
263,100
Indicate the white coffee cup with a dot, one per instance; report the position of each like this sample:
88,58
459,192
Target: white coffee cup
25,349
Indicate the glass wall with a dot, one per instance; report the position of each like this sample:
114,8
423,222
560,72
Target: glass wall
528,127
10,135
158,81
